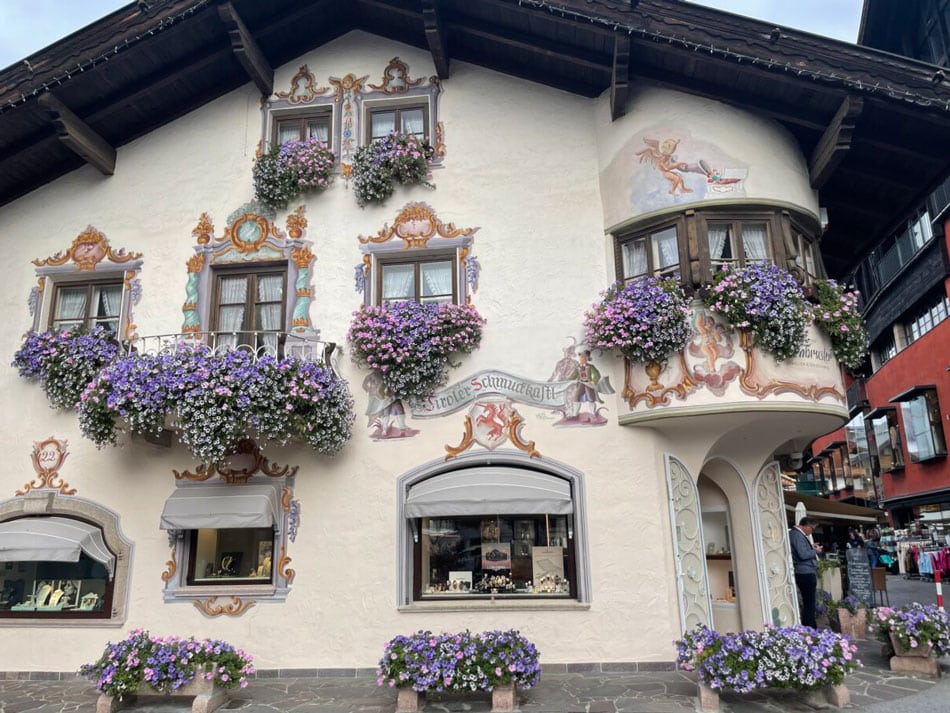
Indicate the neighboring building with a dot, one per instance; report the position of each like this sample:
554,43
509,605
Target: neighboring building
896,443
598,506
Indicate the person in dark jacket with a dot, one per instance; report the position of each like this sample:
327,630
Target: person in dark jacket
805,562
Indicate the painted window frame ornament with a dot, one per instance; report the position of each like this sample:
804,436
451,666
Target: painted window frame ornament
90,256
265,243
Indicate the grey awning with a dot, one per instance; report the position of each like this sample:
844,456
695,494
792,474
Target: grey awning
52,539
490,491
219,507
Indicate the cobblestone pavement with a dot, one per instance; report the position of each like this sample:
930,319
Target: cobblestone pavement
873,686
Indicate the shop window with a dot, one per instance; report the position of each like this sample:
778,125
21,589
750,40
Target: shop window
423,278
923,423
54,567
884,439
411,119
249,307
932,312
655,253
87,304
295,126
228,538
489,532
737,243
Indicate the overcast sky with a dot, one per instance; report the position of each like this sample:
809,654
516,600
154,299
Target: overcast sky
30,25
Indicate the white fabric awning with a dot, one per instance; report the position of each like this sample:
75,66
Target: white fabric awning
219,507
52,539
490,491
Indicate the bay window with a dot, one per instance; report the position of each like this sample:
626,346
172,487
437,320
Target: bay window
655,253
884,439
737,243
923,423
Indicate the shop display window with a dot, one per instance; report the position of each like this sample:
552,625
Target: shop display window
884,439
73,589
923,426
509,555
230,555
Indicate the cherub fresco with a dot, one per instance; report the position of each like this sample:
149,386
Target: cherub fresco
712,344
662,156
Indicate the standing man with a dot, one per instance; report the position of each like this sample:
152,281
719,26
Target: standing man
805,561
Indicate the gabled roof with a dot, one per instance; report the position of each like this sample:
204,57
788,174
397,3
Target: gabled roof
876,127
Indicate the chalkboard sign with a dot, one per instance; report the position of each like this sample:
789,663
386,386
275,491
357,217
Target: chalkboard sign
859,575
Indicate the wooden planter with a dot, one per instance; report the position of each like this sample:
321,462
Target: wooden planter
208,696
915,661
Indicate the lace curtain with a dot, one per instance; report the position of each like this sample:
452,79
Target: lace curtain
270,291
398,282
436,282
231,313
755,242
70,305
634,255
412,122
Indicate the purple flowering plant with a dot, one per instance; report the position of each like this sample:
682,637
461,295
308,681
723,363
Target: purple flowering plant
776,657
397,158
459,662
165,664
409,343
65,361
647,319
283,172
214,400
838,314
915,626
764,300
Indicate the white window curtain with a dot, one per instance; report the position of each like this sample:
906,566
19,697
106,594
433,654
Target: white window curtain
383,123
71,304
110,301
398,281
287,131
318,130
634,255
718,239
412,122
231,312
755,242
436,281
666,249
270,289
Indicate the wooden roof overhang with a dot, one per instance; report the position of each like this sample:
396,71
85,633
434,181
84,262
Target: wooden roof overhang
874,126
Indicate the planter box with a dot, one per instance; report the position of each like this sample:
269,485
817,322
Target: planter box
503,700
854,625
208,696
409,700
918,661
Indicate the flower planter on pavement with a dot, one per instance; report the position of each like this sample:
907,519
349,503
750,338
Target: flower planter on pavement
208,696
918,660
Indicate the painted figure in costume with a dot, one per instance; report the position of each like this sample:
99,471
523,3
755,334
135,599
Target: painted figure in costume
386,415
590,385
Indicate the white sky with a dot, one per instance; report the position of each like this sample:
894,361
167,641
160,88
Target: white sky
30,25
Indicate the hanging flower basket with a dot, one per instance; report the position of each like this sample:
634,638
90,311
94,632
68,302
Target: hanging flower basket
284,172
646,319
215,399
838,314
409,344
765,301
398,158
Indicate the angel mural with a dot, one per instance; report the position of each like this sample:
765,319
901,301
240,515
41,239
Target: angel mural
662,156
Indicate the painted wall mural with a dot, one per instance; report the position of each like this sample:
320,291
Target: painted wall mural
665,166
721,363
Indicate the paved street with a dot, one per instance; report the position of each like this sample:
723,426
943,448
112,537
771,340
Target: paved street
874,689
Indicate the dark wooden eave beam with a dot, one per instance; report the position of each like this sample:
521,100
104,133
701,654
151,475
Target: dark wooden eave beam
246,50
78,135
835,142
435,34
620,77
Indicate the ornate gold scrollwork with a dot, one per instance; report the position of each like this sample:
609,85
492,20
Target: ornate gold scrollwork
196,262
415,225
439,147
751,387
396,78
88,249
48,457
297,223
170,567
282,569
210,606
259,464
302,257
514,433
303,87
655,393
204,231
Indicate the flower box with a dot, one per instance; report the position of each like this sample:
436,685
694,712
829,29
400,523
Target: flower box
853,624
208,695
495,661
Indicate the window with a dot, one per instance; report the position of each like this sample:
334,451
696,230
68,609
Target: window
885,349
805,257
297,127
737,243
923,423
655,254
884,439
55,567
230,556
475,531
86,305
249,307
859,456
411,119
932,312
229,537
425,279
